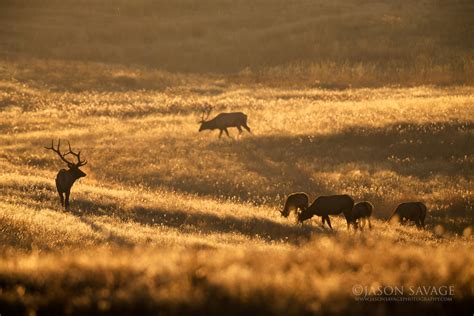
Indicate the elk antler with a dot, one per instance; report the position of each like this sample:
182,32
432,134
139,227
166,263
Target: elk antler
56,150
206,111
77,155
62,156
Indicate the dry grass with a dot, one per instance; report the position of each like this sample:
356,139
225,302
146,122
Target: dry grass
246,279
326,43
176,221
372,98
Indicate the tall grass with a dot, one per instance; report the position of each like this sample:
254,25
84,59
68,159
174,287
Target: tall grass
385,145
245,280
173,221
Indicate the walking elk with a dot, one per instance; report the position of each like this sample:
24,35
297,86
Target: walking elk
66,178
223,121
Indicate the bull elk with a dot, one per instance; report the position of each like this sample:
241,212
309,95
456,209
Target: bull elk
410,211
66,178
294,202
329,205
361,213
223,121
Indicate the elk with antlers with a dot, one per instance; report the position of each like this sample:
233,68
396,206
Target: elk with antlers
223,121
66,178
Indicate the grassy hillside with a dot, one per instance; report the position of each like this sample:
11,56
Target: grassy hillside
131,250
371,98
172,220
325,43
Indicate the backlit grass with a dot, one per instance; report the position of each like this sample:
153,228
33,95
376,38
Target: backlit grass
172,220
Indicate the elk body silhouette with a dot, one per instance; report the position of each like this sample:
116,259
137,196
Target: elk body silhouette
361,213
410,211
223,121
66,177
329,205
295,201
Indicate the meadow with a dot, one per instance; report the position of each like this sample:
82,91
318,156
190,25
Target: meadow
340,43
176,221
371,98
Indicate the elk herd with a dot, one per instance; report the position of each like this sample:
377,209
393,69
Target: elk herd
356,214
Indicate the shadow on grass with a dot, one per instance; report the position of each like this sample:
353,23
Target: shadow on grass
109,236
412,150
419,150
286,164
458,216
265,229
192,222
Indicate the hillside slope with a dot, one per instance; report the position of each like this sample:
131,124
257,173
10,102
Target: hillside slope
169,219
336,43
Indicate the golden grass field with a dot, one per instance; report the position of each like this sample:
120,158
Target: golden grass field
371,98
337,43
172,220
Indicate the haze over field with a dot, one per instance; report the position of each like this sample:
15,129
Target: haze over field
334,43
368,98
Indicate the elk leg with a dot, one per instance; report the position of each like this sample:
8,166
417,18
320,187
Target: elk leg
220,134
358,224
61,198
328,221
247,128
67,199
227,132
370,224
418,223
240,129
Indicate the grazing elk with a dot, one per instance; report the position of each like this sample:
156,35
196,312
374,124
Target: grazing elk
66,178
410,211
295,201
361,213
329,205
223,121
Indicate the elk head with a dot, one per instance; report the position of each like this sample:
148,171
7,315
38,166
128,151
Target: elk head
304,215
73,167
205,112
